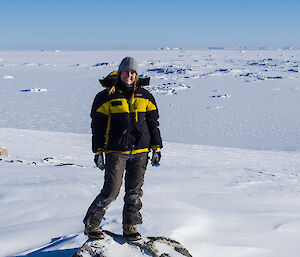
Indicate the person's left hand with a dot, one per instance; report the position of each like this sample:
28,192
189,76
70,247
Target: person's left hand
156,156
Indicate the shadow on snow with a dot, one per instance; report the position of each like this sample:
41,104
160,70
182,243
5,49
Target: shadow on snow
42,252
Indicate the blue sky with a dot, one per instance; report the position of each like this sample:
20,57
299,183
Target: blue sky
140,24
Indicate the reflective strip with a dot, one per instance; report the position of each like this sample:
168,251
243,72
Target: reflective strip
155,147
136,116
107,130
144,150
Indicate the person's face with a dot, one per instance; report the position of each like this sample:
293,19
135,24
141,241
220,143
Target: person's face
128,76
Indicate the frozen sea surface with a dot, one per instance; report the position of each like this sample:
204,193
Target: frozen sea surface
246,99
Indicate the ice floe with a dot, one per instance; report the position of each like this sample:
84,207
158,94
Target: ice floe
100,64
7,77
30,64
220,96
168,88
34,90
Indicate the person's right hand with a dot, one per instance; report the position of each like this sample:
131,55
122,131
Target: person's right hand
99,160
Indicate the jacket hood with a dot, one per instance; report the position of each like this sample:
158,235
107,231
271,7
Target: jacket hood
111,78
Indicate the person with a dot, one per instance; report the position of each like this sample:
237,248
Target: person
124,129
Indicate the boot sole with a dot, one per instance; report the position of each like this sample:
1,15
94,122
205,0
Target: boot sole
94,235
133,237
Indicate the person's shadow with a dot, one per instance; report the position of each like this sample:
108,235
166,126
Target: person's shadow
42,252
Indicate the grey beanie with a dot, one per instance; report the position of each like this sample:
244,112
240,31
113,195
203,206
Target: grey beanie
128,63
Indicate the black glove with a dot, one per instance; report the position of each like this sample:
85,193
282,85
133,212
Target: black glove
156,156
99,160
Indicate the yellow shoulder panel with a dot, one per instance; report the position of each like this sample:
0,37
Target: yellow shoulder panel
143,105
104,109
119,105
151,106
140,104
113,73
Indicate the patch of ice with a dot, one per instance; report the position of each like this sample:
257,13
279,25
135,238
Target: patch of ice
79,65
9,65
236,71
293,70
50,64
223,70
169,70
8,77
30,64
220,96
168,88
34,90
274,77
291,227
214,108
100,64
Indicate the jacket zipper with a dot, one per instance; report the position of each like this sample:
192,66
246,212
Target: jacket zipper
132,119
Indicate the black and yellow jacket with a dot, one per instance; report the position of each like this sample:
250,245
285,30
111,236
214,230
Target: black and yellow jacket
122,126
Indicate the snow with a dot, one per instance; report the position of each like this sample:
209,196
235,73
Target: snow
228,183
7,77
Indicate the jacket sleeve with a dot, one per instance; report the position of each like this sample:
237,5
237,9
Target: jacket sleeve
152,122
99,115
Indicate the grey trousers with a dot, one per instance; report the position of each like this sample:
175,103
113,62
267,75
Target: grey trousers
115,164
